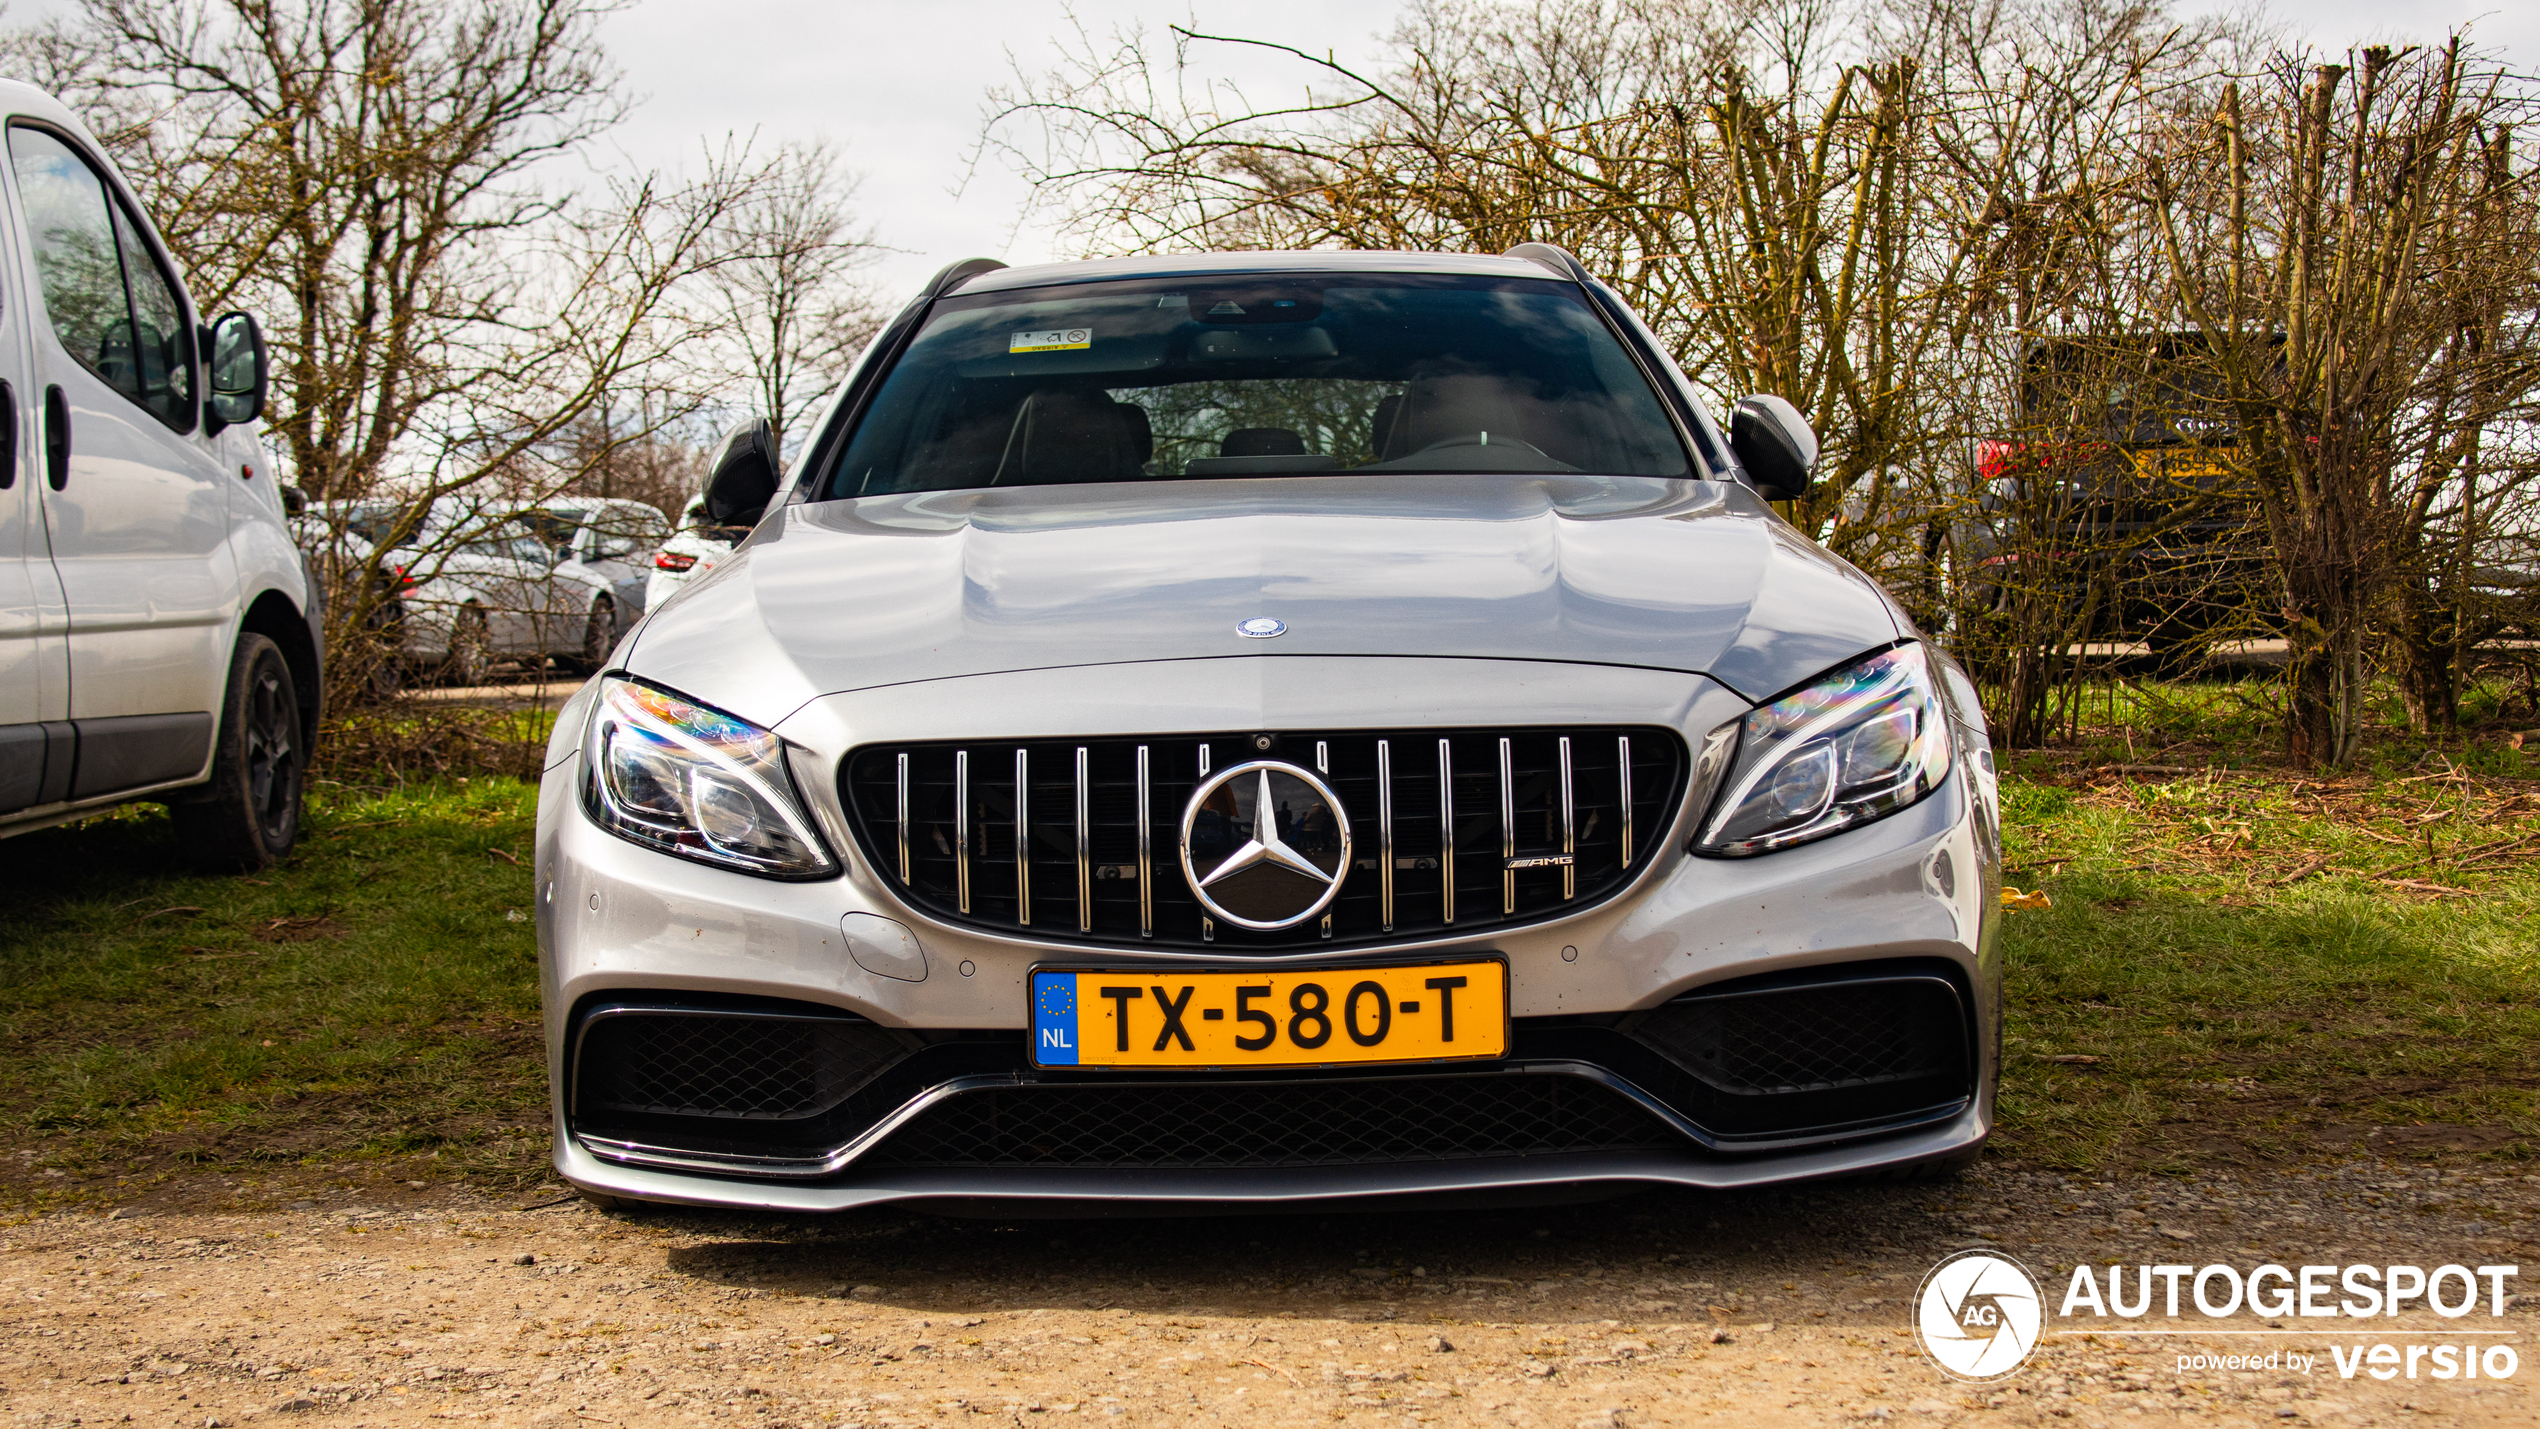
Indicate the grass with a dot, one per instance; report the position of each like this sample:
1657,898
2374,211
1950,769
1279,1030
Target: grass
2244,962
2238,964
368,1006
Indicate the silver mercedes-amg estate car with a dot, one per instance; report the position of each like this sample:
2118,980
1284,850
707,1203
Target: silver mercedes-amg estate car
1267,729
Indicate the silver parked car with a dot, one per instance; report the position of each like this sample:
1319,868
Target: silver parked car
1267,728
465,587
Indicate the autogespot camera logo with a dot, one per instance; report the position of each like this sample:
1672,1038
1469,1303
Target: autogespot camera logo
1979,1316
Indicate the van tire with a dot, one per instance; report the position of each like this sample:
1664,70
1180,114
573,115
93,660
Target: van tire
249,814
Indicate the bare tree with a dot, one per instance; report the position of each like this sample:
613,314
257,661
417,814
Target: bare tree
783,297
2357,245
1874,211
372,178
639,450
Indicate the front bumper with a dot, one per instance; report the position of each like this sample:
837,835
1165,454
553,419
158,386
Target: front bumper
620,926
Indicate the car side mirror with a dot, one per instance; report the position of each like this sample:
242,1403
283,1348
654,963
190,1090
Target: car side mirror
1775,444
743,478
239,373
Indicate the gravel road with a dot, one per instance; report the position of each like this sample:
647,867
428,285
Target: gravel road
1665,1308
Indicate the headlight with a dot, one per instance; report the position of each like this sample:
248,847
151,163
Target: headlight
674,775
1857,745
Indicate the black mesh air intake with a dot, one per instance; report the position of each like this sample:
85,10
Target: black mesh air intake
1327,1123
1504,864
1778,1059
753,1066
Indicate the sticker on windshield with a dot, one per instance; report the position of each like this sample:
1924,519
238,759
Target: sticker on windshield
1057,339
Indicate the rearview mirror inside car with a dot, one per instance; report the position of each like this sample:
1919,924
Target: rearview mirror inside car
743,478
1775,444
239,372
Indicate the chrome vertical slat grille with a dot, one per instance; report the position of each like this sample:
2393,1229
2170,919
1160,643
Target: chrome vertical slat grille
903,807
1507,834
1569,828
1146,845
961,824
1507,826
1084,848
1623,762
1446,829
1384,820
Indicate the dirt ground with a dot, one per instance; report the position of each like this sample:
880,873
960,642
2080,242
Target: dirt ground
399,1304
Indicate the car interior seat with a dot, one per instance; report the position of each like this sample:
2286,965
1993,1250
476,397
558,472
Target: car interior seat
1261,441
1439,409
1063,436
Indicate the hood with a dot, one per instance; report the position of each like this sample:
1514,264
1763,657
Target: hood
837,596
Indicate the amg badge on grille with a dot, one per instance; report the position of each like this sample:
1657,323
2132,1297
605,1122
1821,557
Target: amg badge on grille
1265,844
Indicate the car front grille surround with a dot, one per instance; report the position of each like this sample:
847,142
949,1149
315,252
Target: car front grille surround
1451,830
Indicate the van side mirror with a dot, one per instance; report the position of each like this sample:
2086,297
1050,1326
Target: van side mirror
743,478
239,373
1775,444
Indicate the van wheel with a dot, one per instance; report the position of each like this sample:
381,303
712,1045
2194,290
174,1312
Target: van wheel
599,634
471,655
249,815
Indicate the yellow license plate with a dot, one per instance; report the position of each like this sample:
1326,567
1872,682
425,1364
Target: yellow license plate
1315,1017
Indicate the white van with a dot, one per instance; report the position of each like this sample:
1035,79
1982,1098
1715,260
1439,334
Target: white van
159,635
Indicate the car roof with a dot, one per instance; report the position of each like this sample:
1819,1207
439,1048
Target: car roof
19,97
1176,265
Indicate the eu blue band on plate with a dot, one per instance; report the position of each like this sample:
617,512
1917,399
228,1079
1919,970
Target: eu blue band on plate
1054,1040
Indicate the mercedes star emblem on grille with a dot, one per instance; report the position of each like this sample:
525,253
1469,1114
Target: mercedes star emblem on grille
1265,844
1261,627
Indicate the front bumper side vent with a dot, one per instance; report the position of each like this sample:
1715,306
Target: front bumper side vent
1787,1057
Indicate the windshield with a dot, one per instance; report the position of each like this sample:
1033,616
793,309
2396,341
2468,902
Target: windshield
1258,375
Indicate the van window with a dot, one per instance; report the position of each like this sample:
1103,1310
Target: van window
133,335
163,367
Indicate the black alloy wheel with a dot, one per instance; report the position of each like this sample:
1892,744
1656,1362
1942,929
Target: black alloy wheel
471,654
385,637
599,634
248,815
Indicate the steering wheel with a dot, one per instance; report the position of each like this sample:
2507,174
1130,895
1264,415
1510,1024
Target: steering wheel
1483,439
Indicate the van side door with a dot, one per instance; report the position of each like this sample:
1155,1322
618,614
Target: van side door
135,506
35,697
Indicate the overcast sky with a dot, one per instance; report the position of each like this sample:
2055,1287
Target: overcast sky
900,87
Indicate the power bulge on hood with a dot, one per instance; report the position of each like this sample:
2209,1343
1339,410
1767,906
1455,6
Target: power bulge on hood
1267,727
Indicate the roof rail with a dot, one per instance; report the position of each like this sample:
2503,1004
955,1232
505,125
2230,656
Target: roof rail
1554,257
956,274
